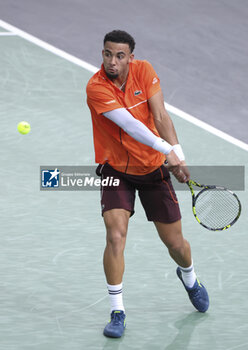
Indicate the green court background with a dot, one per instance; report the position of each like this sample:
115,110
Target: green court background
53,293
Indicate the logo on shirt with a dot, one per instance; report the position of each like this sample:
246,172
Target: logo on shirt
155,80
137,92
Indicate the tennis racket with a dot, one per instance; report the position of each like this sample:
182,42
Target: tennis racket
214,207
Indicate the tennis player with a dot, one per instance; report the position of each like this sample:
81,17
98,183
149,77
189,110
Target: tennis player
133,137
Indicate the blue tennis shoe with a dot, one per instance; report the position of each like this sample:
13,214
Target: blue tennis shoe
198,294
116,325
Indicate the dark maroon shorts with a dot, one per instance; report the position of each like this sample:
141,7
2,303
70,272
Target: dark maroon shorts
155,190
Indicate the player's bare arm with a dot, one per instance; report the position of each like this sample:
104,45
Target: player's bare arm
167,132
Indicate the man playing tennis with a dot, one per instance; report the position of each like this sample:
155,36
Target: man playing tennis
133,136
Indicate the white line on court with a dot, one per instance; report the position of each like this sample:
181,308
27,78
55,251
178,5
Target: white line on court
48,47
7,34
94,69
206,127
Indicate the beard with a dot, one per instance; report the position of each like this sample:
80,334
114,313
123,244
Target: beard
112,76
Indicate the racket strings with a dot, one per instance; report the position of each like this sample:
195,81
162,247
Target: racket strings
216,208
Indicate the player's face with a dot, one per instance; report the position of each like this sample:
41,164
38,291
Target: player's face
116,59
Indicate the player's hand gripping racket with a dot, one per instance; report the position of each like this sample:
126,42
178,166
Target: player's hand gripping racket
214,207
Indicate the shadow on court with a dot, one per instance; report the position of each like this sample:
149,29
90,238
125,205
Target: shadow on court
186,326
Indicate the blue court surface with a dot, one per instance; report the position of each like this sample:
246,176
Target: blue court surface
52,288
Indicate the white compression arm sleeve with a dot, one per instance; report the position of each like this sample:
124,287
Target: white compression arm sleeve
137,130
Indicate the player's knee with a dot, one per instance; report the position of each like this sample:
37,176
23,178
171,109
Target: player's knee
116,239
176,246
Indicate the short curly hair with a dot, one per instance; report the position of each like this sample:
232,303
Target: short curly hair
120,36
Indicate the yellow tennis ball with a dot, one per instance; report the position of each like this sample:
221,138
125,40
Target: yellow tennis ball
23,127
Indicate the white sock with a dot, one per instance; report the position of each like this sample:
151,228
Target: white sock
188,275
115,296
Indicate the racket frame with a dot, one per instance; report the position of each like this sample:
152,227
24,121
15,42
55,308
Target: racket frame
192,183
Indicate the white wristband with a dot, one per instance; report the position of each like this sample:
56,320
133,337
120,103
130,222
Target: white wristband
162,146
179,152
